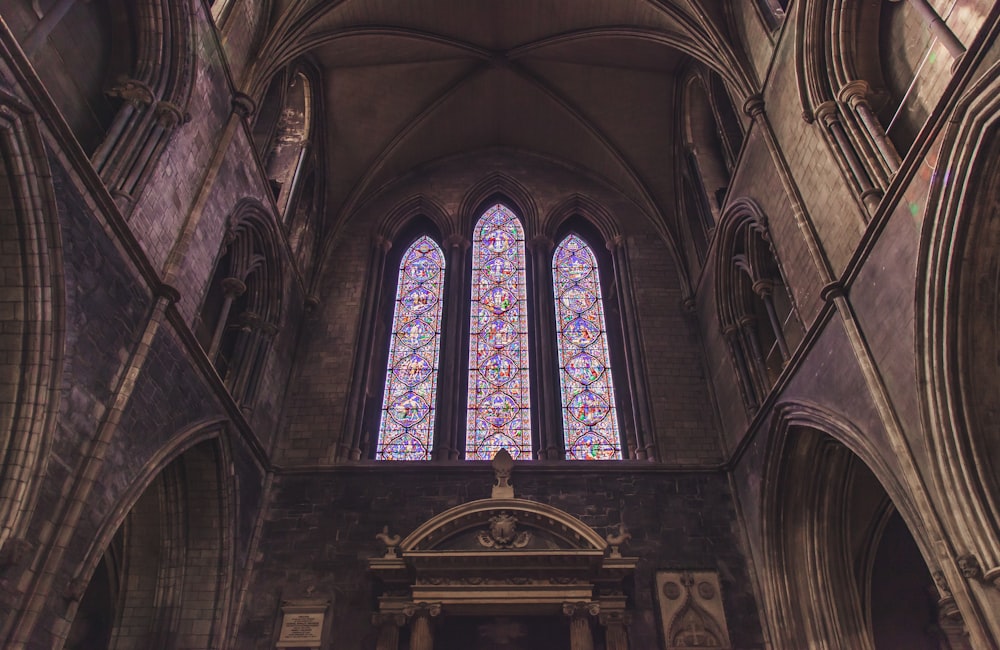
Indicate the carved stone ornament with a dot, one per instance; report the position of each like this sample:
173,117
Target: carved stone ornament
503,465
503,533
390,541
132,91
616,540
691,610
969,566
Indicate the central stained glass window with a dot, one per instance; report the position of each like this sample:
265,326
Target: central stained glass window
406,430
590,421
499,410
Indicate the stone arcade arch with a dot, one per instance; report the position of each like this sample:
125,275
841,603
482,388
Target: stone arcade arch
33,321
841,568
503,556
159,574
956,341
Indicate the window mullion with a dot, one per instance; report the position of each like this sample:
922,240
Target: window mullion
451,414
548,404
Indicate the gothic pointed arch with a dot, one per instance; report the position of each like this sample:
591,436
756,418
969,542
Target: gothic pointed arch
33,288
499,186
837,537
287,134
135,68
958,264
241,311
498,407
408,414
409,220
755,311
157,573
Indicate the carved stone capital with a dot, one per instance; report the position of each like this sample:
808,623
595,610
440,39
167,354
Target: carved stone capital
833,291
581,609
993,577
412,610
828,112
457,240
615,243
233,287
754,106
763,287
168,292
854,93
169,115
243,105
382,243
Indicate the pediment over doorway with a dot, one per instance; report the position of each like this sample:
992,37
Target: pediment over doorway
502,555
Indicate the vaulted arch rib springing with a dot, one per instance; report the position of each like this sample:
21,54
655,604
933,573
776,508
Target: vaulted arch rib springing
590,419
499,409
406,430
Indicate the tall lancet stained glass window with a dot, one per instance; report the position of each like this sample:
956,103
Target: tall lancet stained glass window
406,431
590,420
499,414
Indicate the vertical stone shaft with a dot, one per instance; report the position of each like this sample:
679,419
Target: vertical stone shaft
421,633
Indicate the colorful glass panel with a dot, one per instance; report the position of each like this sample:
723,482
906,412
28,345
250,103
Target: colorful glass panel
498,415
406,431
590,420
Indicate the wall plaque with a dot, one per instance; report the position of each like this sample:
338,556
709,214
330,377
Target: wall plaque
691,610
302,624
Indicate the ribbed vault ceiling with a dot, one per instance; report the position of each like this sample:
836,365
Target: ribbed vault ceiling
588,83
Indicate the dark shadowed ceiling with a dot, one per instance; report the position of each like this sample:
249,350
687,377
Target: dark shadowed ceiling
588,83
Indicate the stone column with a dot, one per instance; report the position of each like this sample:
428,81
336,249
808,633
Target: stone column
232,289
938,27
765,290
644,441
580,635
855,95
421,631
354,432
829,115
549,405
615,632
388,625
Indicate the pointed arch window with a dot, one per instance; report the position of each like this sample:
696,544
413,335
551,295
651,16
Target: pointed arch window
406,430
499,409
589,415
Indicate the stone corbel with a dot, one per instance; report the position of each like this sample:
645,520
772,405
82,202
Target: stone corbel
133,91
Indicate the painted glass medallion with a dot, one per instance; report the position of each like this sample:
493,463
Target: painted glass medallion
585,368
498,407
406,429
590,421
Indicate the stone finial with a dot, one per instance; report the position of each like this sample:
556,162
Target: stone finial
616,540
390,541
503,465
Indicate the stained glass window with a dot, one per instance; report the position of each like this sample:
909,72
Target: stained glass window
590,420
406,430
499,407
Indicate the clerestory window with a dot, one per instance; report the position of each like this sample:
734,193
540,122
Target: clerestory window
497,401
